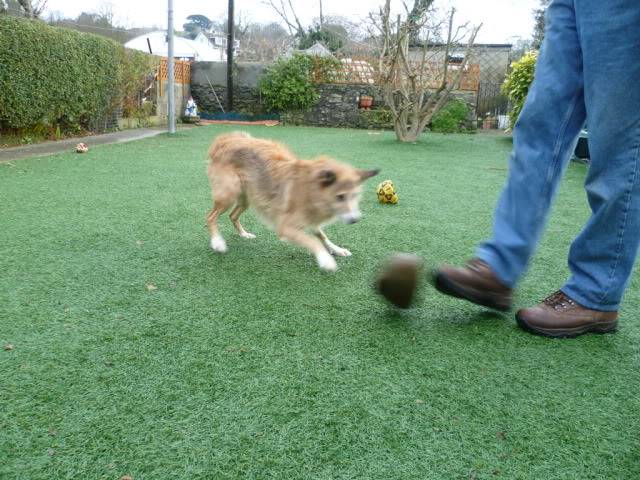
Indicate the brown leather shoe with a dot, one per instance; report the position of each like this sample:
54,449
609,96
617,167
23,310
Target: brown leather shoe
399,279
476,283
559,316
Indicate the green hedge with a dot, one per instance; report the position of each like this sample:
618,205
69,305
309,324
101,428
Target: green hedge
54,76
451,118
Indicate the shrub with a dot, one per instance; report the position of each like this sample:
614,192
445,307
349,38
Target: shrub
289,84
53,76
379,118
451,118
516,85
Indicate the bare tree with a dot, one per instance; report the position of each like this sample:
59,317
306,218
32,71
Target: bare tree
262,42
418,84
33,8
288,15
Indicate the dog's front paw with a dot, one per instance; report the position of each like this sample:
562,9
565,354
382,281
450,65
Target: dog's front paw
218,244
326,262
247,235
339,252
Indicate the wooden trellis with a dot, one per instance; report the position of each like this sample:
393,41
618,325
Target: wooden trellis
359,71
181,71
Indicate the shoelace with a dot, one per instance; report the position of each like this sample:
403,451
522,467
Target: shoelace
476,265
559,300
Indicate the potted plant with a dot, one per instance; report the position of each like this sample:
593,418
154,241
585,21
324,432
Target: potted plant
488,123
366,101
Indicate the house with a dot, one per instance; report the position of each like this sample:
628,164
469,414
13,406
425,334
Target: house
217,41
183,48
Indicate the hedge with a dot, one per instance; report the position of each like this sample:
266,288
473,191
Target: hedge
55,76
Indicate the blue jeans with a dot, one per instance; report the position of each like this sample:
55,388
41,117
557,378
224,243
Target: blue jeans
588,70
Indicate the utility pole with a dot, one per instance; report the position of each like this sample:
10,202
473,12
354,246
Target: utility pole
230,41
170,72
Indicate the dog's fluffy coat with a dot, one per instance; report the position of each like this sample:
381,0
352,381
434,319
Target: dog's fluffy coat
289,194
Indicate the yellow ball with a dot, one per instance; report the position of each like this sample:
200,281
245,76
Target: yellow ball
387,192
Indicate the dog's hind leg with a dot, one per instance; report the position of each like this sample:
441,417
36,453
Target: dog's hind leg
240,207
225,195
218,243
332,247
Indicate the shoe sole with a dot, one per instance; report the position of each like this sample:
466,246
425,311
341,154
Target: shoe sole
598,328
446,286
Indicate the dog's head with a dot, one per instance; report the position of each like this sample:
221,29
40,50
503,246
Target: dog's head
339,187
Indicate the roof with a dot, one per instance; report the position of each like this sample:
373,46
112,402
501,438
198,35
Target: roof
182,47
319,50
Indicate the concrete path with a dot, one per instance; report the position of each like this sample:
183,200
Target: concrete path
68,145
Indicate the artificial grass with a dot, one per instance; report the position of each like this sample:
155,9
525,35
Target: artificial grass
257,365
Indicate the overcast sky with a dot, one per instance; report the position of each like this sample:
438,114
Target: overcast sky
502,19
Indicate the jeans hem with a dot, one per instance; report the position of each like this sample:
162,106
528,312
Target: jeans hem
496,266
582,300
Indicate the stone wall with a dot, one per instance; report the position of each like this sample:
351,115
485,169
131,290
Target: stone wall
337,107
207,77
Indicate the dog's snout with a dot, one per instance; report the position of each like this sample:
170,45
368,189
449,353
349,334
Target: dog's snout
350,218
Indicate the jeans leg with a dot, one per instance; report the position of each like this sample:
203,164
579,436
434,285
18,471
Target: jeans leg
543,139
601,258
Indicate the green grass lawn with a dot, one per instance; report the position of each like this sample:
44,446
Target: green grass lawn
257,365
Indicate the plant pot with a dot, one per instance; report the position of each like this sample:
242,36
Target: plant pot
488,123
366,101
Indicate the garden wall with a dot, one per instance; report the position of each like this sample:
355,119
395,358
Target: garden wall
337,107
246,98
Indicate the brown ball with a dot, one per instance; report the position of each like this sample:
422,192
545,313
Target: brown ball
398,280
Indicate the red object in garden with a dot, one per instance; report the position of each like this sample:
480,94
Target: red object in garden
366,101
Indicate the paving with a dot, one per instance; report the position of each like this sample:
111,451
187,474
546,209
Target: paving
49,148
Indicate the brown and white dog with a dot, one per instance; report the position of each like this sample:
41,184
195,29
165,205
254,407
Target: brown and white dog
291,195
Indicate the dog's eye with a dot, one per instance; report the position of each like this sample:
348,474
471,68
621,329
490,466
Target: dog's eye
341,197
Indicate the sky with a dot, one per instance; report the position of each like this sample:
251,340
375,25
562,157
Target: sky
502,19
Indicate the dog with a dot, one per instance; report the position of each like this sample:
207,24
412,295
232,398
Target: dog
290,195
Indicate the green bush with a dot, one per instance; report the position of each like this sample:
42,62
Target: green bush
53,76
289,84
516,85
379,118
451,118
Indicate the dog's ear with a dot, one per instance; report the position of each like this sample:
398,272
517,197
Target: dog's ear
364,174
327,177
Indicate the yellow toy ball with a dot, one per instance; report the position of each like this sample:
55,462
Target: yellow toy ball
387,192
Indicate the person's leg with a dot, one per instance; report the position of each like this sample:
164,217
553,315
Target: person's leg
543,139
602,256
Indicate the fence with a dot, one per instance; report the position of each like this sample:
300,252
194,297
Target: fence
181,72
364,71
484,74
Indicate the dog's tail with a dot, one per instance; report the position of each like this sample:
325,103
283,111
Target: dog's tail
223,141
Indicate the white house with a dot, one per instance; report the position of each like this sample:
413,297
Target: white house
214,42
217,40
183,48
